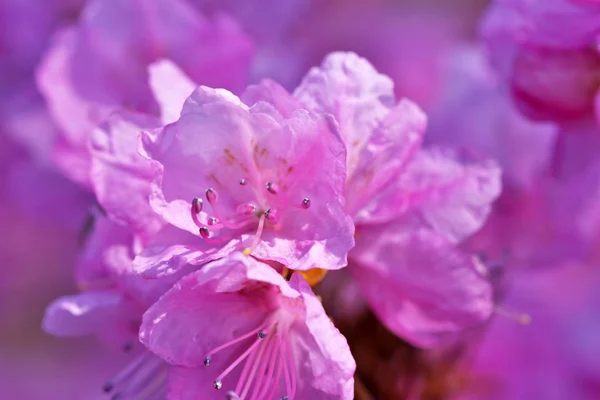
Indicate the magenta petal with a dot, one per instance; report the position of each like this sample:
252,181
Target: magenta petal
121,176
171,250
186,383
103,312
324,357
219,142
171,87
348,87
418,283
100,65
194,324
451,193
182,326
270,92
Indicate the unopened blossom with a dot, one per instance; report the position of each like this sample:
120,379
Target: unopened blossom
99,65
236,329
423,201
253,180
547,52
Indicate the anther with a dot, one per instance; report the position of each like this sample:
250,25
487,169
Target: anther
231,395
212,221
306,203
207,361
262,334
246,209
211,195
204,232
218,384
108,388
271,187
271,215
284,398
243,181
197,205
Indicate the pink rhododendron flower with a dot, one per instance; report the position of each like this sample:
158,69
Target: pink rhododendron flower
99,65
400,195
238,326
547,51
272,183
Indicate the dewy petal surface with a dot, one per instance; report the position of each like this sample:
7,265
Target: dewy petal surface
419,283
253,157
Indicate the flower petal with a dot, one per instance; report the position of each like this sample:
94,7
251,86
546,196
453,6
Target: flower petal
418,283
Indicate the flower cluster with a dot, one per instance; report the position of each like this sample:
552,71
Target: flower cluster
218,213
263,216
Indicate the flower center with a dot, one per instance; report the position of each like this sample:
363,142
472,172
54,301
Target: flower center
247,215
268,360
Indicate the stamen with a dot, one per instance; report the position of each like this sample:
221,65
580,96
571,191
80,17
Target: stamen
271,187
306,203
126,372
231,396
195,210
261,225
218,384
256,363
272,215
246,209
290,367
266,381
204,232
142,378
243,181
197,204
234,341
263,380
220,220
207,361
212,195
279,358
